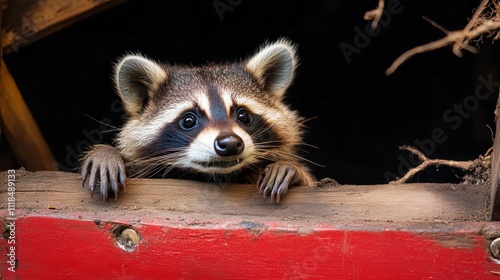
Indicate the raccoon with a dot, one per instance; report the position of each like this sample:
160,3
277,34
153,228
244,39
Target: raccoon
221,122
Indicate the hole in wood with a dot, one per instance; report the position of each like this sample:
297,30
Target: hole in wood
126,237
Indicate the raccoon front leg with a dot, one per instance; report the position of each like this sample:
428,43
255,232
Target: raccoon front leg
103,165
277,177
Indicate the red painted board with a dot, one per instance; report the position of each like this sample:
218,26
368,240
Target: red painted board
57,248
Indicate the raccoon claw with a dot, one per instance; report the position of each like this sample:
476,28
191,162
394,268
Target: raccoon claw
103,168
275,180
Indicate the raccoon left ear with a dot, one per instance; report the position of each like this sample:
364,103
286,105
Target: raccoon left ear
136,78
274,66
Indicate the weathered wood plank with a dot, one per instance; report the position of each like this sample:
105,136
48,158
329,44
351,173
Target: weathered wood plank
19,127
495,168
1,33
166,198
60,248
27,21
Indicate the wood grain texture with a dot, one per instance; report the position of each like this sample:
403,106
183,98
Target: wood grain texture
27,21
193,230
167,198
495,169
20,129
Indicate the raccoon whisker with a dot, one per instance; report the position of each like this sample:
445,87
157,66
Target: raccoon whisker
153,165
148,170
110,130
277,143
210,177
312,162
256,167
303,151
101,122
153,172
308,145
218,179
307,120
272,144
267,147
276,155
162,155
144,172
279,155
260,131
153,169
168,169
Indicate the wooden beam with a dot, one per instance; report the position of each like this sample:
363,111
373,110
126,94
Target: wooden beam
1,38
495,169
167,198
29,20
184,229
19,127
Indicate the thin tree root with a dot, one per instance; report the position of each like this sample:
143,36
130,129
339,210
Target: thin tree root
486,20
426,162
375,14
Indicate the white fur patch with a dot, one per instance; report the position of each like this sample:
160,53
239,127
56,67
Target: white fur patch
155,72
202,148
203,102
202,151
281,58
249,147
127,70
270,114
227,99
149,130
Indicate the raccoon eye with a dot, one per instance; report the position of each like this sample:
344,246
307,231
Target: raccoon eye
244,117
188,121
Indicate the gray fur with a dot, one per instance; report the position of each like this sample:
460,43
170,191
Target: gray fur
241,100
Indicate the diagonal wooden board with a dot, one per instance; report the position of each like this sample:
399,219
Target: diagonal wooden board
27,21
20,128
22,23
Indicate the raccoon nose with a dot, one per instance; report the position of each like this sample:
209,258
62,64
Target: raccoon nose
227,144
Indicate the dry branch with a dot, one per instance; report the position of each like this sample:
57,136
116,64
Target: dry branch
375,14
486,20
426,162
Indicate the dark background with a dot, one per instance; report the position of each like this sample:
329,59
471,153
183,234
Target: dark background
360,116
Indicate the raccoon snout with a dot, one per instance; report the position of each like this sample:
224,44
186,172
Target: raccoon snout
228,144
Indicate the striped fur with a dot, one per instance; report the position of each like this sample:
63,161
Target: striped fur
217,121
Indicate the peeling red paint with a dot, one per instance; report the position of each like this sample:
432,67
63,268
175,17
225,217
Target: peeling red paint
55,248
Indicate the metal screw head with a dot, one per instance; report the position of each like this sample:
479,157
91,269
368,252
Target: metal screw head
495,248
128,239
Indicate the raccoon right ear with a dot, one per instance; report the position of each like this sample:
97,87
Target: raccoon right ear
136,78
274,66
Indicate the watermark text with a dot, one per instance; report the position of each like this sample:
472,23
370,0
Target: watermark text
11,220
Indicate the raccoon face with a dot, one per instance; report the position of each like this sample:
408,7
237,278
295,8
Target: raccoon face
213,119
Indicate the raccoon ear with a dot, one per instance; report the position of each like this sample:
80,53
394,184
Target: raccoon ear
274,66
136,77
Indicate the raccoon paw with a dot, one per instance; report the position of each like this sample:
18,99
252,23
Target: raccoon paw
103,166
276,178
